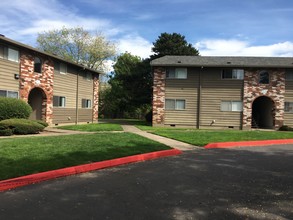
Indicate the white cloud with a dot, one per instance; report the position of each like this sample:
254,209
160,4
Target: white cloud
136,45
234,47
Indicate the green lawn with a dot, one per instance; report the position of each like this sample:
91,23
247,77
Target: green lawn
203,137
93,127
27,155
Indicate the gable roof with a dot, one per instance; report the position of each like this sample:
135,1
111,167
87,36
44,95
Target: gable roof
217,61
20,45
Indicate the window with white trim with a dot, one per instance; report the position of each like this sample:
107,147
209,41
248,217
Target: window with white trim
86,103
9,94
9,53
176,73
289,74
175,104
59,101
233,74
231,106
289,107
60,67
88,76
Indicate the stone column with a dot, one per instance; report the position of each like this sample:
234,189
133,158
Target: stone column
159,96
96,98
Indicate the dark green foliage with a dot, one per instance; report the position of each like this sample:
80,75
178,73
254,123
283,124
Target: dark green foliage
14,108
285,128
129,90
22,126
5,131
149,116
45,124
172,44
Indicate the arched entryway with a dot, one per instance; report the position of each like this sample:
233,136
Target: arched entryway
37,100
263,113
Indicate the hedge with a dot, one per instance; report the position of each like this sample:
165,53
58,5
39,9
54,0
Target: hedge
14,108
22,126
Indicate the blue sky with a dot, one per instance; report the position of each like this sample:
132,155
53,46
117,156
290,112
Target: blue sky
215,27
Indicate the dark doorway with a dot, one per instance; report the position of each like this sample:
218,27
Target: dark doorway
35,100
263,113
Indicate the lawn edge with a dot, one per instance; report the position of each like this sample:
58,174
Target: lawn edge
248,143
43,176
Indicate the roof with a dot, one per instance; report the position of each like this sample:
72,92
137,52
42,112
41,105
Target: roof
18,44
217,61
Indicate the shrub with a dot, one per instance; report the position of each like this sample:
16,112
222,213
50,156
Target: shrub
45,124
149,117
14,108
5,131
285,128
22,126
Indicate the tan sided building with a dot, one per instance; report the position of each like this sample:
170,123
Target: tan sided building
57,90
223,92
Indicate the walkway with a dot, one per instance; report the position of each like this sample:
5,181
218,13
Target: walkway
167,141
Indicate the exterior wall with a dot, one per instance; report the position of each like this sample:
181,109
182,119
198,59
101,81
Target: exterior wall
288,116
186,89
29,80
159,96
214,90
7,70
96,85
274,90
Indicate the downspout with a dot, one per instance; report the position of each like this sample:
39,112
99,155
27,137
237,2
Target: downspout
199,99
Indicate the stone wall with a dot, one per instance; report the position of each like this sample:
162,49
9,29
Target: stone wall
274,90
29,80
96,98
159,96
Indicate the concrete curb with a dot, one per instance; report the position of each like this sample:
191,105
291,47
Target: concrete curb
34,178
248,143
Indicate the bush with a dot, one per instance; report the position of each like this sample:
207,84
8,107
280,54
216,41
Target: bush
285,128
5,131
14,108
45,124
149,117
22,126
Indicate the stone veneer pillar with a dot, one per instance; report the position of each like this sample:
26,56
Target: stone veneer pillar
96,98
159,96
29,80
274,90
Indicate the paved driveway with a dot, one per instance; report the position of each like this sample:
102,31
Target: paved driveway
243,183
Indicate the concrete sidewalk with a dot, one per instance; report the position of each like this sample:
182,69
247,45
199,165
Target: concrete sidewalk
167,141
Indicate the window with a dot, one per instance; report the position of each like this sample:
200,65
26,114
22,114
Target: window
175,104
9,53
86,103
232,74
88,76
38,65
177,73
264,77
10,94
289,74
231,106
58,101
60,67
288,106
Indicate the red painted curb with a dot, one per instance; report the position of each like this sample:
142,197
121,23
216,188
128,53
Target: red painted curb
248,143
34,178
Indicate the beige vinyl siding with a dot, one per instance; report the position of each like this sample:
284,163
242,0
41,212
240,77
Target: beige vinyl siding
85,90
186,89
214,90
63,115
288,116
65,85
85,115
7,71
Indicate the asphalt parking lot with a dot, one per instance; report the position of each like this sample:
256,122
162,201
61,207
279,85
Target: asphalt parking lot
239,183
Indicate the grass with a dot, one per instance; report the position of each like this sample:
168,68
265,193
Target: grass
203,137
28,155
93,127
